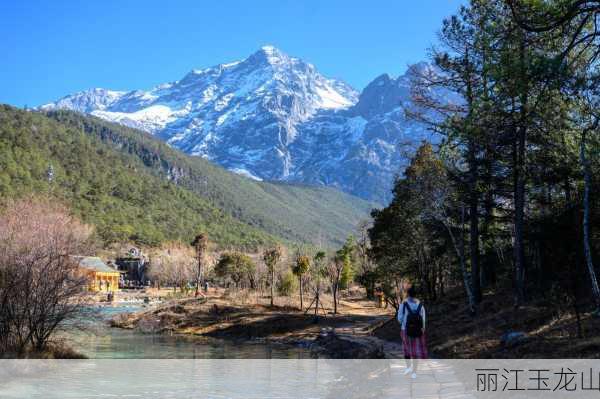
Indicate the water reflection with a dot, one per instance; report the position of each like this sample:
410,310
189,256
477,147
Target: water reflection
218,378
98,341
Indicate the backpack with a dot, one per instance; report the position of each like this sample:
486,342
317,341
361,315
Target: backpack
414,321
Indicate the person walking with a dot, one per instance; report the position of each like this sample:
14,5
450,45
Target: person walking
411,317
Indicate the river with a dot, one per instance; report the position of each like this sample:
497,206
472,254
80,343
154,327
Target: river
97,340
177,366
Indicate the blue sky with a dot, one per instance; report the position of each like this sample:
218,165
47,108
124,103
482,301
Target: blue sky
53,48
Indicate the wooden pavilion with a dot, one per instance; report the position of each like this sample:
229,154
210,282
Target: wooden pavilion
101,276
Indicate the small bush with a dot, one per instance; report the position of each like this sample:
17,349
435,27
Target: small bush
287,284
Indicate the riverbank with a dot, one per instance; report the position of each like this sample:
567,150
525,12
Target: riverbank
55,350
539,329
250,318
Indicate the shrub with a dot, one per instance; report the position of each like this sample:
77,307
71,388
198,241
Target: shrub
287,284
238,267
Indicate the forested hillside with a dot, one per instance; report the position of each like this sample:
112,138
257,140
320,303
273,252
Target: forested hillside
133,187
509,206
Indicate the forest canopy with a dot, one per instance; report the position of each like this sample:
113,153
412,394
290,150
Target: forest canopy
509,199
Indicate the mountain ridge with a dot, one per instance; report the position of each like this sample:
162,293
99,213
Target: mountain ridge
272,116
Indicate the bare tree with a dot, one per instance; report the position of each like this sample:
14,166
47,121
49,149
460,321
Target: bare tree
200,244
334,274
173,263
41,285
365,262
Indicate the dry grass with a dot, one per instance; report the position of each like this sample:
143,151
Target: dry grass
452,333
248,315
551,332
54,350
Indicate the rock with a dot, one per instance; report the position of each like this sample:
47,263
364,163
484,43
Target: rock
122,320
149,325
513,338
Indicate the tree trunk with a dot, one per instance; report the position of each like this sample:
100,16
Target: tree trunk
519,204
587,181
473,177
474,225
199,274
334,298
459,247
487,266
301,296
519,178
272,285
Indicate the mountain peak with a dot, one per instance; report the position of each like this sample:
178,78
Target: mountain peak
86,101
270,55
422,69
269,49
381,80
272,116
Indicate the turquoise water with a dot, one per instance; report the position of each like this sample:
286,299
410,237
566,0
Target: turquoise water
97,340
175,366
249,378
179,379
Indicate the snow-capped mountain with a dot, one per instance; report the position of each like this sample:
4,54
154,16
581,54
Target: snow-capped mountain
272,116
363,148
87,101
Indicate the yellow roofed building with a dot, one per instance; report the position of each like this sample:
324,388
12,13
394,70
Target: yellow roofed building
101,277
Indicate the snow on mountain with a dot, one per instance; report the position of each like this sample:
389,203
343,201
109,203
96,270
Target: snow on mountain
86,101
363,148
275,117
